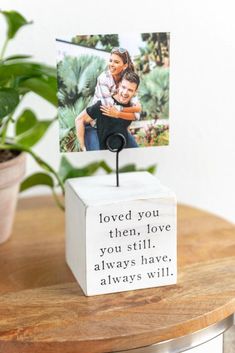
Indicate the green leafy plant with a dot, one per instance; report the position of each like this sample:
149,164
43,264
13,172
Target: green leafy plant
19,76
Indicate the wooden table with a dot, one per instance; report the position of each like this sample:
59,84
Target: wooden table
42,308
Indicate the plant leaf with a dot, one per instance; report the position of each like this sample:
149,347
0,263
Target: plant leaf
105,167
152,169
28,129
42,179
46,88
64,168
128,168
25,122
9,99
30,137
133,168
24,70
35,180
67,170
15,21
88,170
17,57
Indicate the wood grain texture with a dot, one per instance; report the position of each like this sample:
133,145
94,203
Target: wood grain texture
42,308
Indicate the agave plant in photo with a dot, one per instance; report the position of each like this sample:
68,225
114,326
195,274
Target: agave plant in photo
76,80
154,93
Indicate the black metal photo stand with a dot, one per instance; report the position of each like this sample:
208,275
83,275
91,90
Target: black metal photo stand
115,143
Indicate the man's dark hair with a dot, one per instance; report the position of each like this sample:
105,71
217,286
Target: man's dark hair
131,76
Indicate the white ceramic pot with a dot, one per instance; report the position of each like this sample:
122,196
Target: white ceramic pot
11,174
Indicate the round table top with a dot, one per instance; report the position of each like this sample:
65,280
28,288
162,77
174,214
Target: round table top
43,309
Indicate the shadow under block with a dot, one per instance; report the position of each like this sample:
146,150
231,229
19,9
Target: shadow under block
120,238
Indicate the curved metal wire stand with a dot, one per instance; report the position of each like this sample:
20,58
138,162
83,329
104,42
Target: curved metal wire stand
117,150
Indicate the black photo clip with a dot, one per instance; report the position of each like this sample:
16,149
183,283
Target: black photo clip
115,143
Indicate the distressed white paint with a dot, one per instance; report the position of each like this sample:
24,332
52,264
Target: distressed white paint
120,239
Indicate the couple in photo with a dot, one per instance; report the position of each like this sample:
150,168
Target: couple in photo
114,105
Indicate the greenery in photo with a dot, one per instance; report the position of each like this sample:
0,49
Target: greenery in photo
105,42
154,94
76,81
152,135
155,53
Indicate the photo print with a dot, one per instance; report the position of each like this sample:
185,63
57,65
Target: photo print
114,83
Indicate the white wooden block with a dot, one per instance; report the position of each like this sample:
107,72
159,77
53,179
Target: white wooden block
120,238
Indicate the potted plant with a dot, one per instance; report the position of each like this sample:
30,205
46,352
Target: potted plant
19,75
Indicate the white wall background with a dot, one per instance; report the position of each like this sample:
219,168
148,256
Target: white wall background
199,164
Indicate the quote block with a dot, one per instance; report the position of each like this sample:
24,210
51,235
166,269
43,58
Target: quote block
120,238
